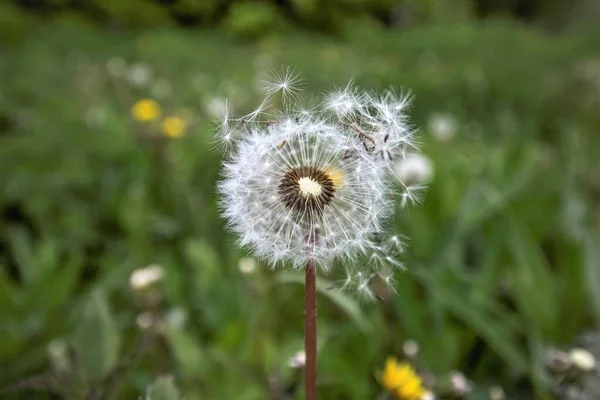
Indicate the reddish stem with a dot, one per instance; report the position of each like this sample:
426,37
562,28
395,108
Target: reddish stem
310,331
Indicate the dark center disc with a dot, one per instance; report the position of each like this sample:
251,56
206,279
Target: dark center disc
306,203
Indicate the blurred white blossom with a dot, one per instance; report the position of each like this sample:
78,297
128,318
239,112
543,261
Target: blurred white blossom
497,393
582,359
413,169
298,360
247,265
443,127
143,278
139,75
410,348
459,384
144,320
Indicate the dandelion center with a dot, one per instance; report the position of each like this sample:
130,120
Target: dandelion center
309,187
306,189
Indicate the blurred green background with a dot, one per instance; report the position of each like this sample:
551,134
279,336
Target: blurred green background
504,255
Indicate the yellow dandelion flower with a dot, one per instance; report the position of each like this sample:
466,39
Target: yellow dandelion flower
173,127
145,110
402,382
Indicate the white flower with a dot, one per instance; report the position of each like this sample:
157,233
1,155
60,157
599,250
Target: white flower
139,75
247,265
144,320
442,127
414,169
298,360
143,278
497,393
314,185
410,348
459,384
582,359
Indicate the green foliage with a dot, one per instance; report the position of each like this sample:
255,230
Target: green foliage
503,259
13,21
251,19
96,339
162,389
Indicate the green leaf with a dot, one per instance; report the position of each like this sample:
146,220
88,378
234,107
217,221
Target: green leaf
96,340
494,333
592,269
190,357
532,281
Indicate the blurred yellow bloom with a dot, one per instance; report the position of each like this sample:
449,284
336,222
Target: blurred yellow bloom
401,381
173,126
145,110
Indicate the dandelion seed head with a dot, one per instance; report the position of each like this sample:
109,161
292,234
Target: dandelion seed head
316,183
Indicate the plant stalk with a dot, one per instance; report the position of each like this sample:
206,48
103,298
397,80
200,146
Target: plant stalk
310,331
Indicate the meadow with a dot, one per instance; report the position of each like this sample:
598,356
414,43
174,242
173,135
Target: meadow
503,261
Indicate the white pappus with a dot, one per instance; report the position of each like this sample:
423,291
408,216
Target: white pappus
316,185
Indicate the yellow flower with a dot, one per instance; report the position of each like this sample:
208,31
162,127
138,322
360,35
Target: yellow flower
401,381
145,110
173,126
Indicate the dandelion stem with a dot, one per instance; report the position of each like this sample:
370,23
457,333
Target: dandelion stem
310,331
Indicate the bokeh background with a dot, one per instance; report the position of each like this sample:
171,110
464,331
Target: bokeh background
116,271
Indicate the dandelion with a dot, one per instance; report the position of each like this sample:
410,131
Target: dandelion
145,110
304,187
313,186
173,126
401,381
